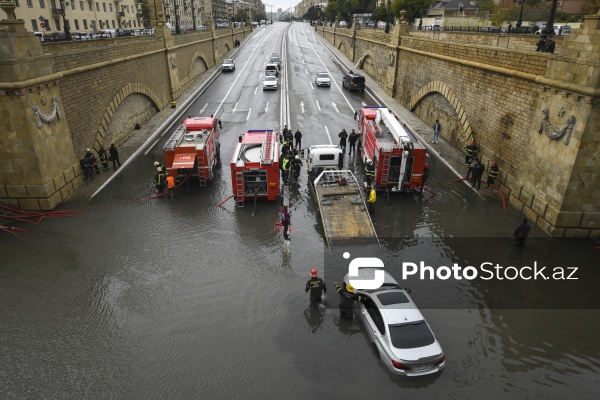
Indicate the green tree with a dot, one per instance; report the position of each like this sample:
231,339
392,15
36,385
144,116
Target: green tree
413,8
379,14
591,7
486,5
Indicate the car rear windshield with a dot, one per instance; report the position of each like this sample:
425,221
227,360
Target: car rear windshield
387,299
358,79
228,61
412,335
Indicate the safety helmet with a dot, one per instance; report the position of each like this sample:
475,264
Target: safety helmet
313,272
369,162
88,150
297,157
495,163
473,142
426,165
156,163
349,288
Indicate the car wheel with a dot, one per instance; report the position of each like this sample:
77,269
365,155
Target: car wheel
376,351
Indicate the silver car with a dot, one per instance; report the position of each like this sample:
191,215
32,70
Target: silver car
399,334
270,82
228,65
322,79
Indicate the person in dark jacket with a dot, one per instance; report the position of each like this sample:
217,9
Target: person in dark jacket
550,45
343,135
298,137
103,155
87,171
492,174
159,181
114,156
521,232
347,299
471,151
285,222
425,174
541,44
477,174
369,173
316,286
296,165
91,160
352,142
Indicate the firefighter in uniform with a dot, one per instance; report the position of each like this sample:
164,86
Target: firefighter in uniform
159,180
91,160
492,174
296,164
348,297
316,286
425,174
159,166
103,155
285,167
285,148
369,172
471,151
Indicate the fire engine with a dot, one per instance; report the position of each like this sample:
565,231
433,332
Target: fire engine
193,150
255,166
398,156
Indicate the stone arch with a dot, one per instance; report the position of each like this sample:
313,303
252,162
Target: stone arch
342,47
371,66
195,66
120,97
444,90
227,48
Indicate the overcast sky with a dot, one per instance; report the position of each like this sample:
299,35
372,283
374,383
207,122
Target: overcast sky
283,4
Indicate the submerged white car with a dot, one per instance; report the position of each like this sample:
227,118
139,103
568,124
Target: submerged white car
322,79
399,334
270,82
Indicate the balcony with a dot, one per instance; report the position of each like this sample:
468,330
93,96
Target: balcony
120,14
56,11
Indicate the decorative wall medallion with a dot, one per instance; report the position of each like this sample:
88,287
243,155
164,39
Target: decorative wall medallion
47,118
173,60
553,133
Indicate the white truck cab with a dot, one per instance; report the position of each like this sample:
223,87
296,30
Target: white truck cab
322,157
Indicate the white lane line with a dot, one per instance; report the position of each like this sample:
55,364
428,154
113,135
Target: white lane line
248,117
239,75
318,105
329,136
256,90
306,71
267,107
302,106
203,108
311,85
234,108
335,106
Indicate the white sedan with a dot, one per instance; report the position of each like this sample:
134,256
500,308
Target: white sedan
322,79
270,82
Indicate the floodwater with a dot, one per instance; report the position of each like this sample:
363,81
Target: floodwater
150,298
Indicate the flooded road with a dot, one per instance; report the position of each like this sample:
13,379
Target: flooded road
151,298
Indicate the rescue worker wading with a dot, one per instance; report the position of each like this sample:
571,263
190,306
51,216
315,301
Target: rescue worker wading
285,168
317,288
471,151
425,174
296,164
372,200
170,187
348,297
286,220
369,172
159,167
159,180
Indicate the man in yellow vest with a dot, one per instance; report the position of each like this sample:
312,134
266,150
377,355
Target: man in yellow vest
372,200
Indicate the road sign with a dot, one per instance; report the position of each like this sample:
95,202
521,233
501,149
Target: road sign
42,25
41,18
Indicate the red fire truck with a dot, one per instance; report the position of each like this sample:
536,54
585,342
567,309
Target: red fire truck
397,155
193,150
255,166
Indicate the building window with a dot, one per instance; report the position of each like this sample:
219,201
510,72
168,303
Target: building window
77,24
72,5
57,23
30,4
85,24
97,6
34,25
104,7
42,4
17,3
110,7
81,5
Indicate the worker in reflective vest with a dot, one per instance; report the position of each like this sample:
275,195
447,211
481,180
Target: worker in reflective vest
372,200
369,172
492,174
285,167
170,186
347,299
159,180
471,151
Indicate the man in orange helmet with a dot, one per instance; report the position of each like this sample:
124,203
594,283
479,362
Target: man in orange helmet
316,286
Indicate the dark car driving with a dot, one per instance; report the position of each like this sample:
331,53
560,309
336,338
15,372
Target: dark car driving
353,81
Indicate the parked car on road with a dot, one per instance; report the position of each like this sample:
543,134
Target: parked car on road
84,36
107,33
322,79
228,65
558,30
56,37
270,82
397,330
123,32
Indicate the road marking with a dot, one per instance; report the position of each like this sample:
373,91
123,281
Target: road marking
335,106
234,108
256,90
203,108
267,107
306,71
302,106
318,105
311,85
248,117
327,130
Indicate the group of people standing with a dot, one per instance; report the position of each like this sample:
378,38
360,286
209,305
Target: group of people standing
317,287
289,161
163,179
476,167
349,140
89,164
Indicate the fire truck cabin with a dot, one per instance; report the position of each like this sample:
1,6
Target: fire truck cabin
255,166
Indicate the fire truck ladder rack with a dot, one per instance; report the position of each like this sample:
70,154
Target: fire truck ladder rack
385,170
202,171
239,186
175,138
266,152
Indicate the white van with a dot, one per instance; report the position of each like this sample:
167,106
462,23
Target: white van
40,35
343,24
562,29
107,33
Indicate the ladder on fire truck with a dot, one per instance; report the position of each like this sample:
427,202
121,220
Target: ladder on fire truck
202,175
385,170
239,186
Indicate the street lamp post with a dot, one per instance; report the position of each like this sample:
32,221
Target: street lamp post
549,29
193,14
62,12
387,22
176,7
520,20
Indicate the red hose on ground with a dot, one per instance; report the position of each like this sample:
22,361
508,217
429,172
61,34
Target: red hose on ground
219,205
